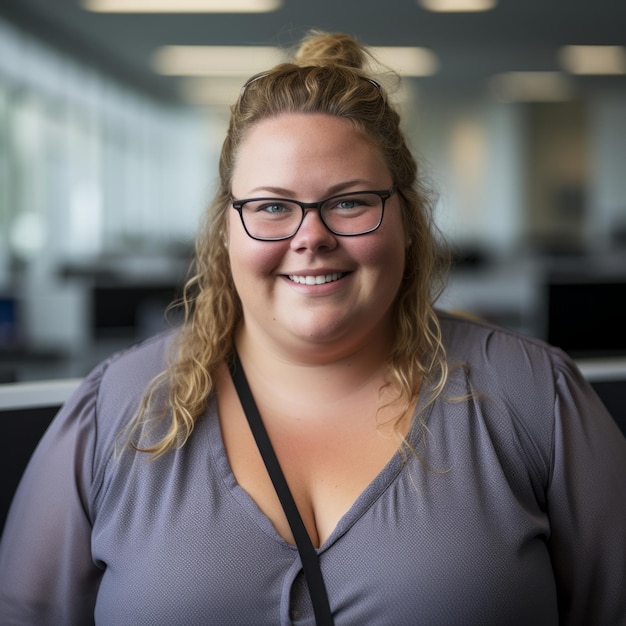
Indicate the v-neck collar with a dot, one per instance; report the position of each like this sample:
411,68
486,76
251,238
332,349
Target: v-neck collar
372,492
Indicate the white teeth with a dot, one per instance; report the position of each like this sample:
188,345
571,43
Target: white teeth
316,280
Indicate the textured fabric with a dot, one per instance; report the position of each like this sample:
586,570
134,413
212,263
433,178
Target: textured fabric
515,514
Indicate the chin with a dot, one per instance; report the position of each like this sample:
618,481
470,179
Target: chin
331,340
319,336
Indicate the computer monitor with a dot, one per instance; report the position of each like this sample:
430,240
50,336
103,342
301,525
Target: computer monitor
585,315
134,310
8,321
608,378
26,410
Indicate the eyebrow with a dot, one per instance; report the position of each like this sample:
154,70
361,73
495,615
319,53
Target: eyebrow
331,191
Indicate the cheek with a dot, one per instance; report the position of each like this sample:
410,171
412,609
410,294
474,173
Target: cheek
387,255
250,259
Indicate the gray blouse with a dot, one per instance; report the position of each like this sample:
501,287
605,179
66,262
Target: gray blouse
515,512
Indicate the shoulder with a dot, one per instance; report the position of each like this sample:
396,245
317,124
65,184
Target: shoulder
109,396
127,373
519,376
482,345
514,387
121,379
124,377
522,379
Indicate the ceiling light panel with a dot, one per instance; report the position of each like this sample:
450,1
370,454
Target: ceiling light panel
216,60
593,59
181,6
458,6
407,61
216,91
531,87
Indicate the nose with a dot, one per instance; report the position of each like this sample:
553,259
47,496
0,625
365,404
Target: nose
312,233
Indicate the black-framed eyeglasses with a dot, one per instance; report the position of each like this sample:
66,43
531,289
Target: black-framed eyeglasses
346,214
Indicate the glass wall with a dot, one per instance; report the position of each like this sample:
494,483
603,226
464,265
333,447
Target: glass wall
95,179
86,165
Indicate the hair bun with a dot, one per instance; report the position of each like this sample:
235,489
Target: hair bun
320,48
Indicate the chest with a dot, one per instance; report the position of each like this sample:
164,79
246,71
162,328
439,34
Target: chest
327,460
187,544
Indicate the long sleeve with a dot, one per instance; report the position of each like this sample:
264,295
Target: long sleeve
587,506
550,427
47,575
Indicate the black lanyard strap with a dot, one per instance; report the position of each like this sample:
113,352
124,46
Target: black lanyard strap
308,555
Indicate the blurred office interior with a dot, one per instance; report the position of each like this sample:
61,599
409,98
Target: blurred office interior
108,157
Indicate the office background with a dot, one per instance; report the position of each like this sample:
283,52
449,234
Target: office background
108,158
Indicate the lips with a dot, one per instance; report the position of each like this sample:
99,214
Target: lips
316,280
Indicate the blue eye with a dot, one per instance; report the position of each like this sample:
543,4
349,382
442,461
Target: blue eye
273,208
347,204
351,204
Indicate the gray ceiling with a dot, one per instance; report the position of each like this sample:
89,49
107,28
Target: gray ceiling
517,35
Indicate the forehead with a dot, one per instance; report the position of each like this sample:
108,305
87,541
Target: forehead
301,148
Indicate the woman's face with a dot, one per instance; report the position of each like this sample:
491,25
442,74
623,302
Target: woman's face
308,157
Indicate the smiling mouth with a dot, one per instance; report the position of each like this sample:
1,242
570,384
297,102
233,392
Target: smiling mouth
316,280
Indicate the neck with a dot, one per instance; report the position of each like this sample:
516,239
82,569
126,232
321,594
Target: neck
312,372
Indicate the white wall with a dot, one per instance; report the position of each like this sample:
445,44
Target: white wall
472,148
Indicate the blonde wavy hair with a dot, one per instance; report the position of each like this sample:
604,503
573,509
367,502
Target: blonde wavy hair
327,75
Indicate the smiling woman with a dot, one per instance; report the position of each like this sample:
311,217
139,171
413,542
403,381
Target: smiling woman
317,443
